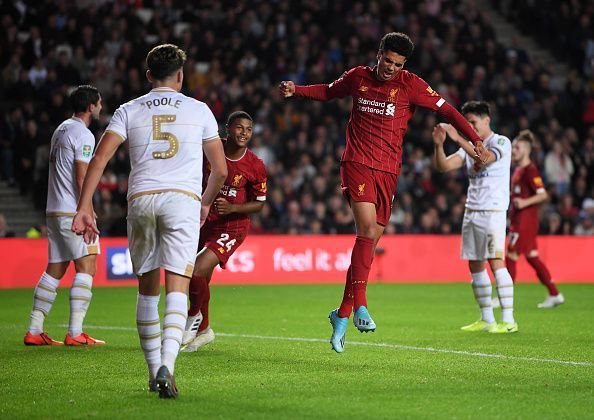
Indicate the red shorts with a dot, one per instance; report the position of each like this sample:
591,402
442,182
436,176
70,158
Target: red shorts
522,241
223,239
363,184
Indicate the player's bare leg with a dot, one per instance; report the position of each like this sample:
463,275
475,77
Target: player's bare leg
482,289
80,299
198,332
148,322
43,299
505,291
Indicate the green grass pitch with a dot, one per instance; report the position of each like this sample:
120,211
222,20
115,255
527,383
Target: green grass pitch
418,364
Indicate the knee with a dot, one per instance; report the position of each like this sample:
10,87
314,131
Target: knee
476,266
513,256
367,231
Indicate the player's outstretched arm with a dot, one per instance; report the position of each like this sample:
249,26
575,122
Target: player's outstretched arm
215,154
84,221
441,162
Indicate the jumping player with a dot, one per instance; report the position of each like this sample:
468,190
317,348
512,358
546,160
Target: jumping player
384,99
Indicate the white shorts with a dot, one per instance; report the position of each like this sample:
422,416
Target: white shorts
483,235
163,231
65,245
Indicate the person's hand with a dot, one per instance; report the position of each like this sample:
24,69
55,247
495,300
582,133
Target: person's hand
287,89
519,203
223,207
482,154
451,131
84,223
439,135
204,210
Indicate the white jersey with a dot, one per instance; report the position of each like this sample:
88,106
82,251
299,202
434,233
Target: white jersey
165,131
488,187
71,142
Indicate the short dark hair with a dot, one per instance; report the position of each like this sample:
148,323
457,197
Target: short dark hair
164,60
238,114
526,136
476,107
397,42
83,96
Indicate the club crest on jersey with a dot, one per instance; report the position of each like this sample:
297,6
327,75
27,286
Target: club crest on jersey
86,152
431,91
221,250
237,180
363,88
361,190
392,95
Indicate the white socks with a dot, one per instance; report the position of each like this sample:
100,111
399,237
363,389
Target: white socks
80,299
505,291
481,286
43,299
174,322
149,331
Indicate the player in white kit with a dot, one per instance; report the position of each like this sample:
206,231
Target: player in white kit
167,133
484,225
71,149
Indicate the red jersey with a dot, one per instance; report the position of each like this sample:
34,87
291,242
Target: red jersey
380,113
525,183
246,181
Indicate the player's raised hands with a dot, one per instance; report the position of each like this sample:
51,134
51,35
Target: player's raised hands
84,223
439,135
287,88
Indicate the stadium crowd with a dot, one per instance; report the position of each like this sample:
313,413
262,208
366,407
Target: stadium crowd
238,52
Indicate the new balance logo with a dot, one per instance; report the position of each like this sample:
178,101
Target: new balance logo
390,109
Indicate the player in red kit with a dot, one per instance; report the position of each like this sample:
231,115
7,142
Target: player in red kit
227,224
527,191
384,99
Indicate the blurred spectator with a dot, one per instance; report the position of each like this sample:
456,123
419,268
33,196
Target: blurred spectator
5,232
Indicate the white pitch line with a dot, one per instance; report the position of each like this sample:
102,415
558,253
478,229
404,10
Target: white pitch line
371,344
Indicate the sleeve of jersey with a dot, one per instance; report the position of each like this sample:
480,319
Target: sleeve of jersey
83,149
117,124
423,95
259,186
501,148
211,128
339,88
535,180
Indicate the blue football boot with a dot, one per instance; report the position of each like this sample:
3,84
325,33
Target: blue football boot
362,320
339,326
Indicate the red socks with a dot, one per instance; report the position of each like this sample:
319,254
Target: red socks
356,282
543,274
198,289
204,309
346,307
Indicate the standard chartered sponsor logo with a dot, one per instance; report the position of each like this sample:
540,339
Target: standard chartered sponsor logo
375,107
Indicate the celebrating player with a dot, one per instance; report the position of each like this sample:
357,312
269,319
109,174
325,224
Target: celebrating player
71,149
483,228
167,133
384,99
227,225
527,192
